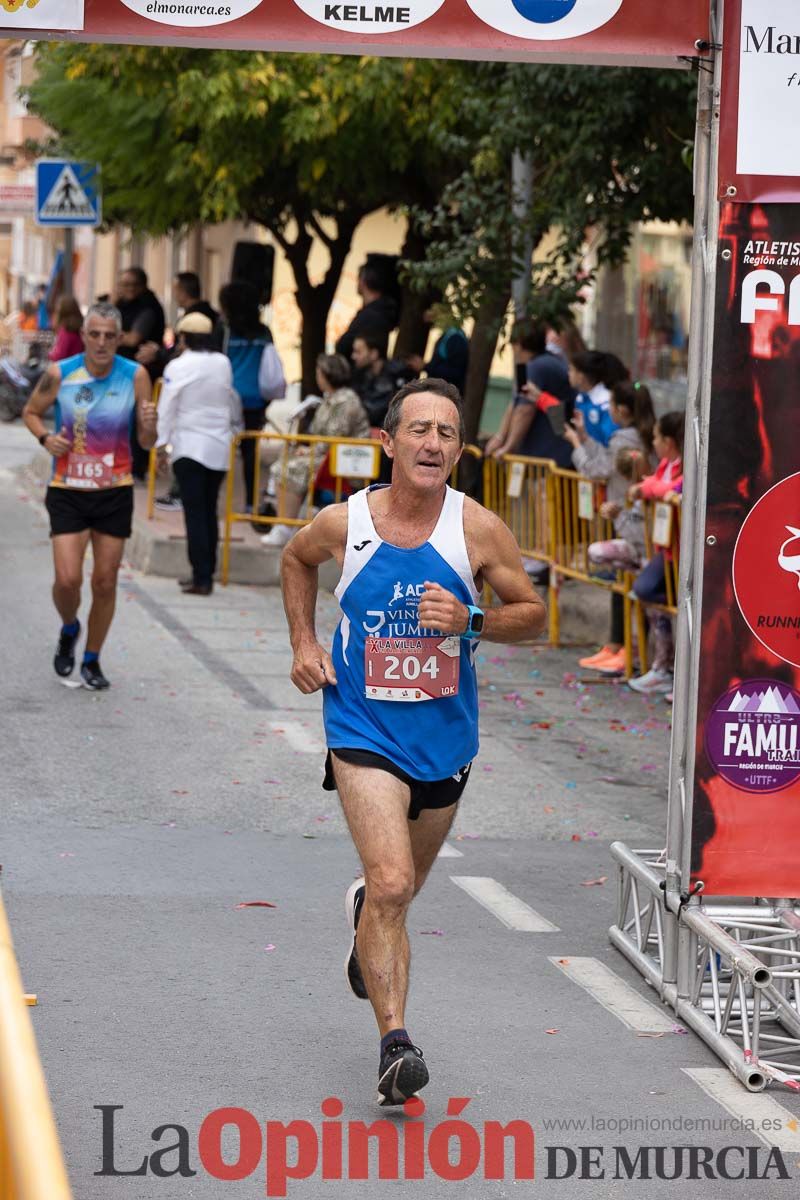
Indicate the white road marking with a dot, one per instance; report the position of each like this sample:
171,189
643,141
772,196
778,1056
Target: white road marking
616,995
513,912
448,851
298,737
754,1108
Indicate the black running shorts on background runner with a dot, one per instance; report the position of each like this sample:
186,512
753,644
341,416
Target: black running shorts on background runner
108,510
442,793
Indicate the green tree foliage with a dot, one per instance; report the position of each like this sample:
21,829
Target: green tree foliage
607,147
306,145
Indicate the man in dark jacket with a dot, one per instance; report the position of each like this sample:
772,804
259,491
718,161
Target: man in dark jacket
378,315
525,428
378,376
142,321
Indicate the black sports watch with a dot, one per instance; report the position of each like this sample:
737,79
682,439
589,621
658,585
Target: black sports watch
474,622
43,438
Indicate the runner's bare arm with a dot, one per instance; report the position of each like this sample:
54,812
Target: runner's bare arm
324,538
494,552
146,418
42,398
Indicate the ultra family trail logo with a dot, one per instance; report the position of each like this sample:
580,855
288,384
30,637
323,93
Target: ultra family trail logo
753,736
766,570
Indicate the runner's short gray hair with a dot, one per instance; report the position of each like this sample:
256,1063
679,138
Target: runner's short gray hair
438,387
106,312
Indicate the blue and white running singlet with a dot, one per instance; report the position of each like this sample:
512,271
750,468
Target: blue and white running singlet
404,692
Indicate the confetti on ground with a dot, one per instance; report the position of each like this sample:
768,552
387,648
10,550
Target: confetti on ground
432,932
576,837
548,808
256,904
552,1031
169,824
269,947
595,882
179,792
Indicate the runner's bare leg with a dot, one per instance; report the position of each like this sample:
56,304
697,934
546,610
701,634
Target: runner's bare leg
376,806
107,553
428,834
69,550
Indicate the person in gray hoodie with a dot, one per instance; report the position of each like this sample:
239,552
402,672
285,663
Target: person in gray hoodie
627,457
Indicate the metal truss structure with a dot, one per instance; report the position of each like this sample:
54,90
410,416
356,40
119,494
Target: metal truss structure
731,971
728,967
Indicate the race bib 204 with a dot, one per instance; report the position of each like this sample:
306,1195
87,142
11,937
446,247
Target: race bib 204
411,670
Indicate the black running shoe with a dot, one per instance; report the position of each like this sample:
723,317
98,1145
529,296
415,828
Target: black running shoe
64,660
93,677
353,903
401,1074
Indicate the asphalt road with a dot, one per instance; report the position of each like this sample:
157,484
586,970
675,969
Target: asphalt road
135,823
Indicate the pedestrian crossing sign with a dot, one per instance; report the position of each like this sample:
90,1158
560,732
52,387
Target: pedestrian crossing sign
67,193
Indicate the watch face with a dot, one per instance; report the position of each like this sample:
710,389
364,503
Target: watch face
476,624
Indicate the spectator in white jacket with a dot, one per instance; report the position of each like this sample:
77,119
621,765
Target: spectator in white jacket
198,413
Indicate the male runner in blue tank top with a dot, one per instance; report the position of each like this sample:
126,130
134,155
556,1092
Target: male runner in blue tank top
400,693
99,398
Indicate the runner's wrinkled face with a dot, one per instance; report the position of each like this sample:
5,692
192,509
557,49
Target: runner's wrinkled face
101,338
427,444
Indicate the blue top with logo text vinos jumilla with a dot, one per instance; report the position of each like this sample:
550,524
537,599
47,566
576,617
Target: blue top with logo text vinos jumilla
404,692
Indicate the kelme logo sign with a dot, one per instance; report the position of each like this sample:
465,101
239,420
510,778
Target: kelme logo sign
370,17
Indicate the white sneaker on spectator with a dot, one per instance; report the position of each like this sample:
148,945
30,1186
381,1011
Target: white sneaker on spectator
656,682
279,535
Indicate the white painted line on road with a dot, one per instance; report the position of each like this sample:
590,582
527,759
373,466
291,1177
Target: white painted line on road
513,912
754,1108
298,737
448,851
616,995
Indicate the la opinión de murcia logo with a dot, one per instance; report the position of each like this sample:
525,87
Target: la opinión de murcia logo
545,20
279,1154
284,1152
370,17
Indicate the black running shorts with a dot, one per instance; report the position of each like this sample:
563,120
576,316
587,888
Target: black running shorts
443,793
108,510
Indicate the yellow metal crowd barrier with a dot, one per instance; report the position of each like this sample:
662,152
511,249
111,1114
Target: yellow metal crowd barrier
555,515
152,466
356,459
31,1163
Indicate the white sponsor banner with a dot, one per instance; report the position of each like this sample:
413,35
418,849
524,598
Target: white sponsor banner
370,17
769,88
194,14
545,20
41,14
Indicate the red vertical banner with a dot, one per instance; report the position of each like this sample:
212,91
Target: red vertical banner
746,821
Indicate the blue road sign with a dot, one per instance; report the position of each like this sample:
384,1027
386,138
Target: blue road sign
67,193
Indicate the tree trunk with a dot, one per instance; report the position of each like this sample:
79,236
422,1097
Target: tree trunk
314,300
488,323
412,336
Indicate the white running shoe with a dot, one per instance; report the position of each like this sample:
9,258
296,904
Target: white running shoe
656,682
279,535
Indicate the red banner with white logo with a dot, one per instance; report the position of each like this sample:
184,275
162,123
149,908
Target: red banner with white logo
633,32
746,826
